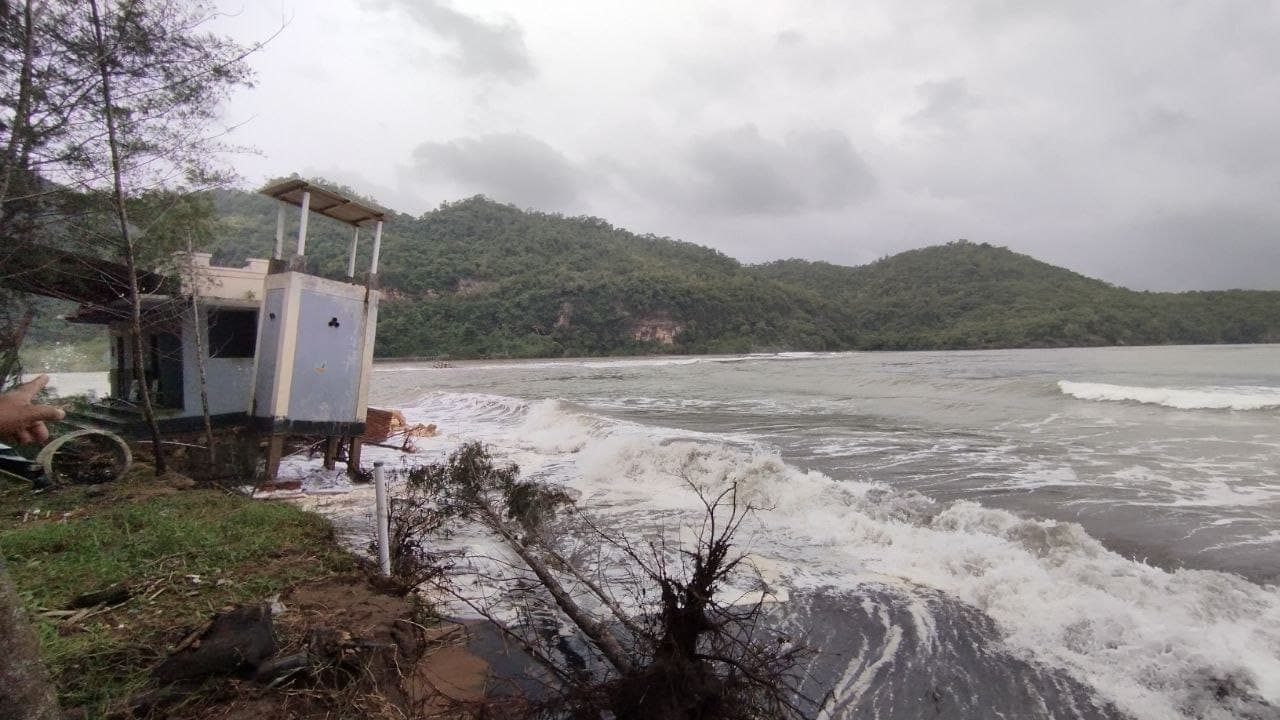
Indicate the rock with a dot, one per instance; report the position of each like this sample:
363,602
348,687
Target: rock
236,642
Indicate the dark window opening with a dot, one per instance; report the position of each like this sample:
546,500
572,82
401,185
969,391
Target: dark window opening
233,333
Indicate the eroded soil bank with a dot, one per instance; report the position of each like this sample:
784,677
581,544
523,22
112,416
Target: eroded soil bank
173,558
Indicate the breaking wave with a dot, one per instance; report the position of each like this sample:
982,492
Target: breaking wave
1156,643
1198,398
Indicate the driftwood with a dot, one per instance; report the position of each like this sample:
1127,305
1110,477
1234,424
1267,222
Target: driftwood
278,667
382,426
326,647
111,595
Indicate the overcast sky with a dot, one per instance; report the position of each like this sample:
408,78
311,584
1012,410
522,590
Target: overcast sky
1135,141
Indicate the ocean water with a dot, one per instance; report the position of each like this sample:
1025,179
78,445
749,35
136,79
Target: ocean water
1027,533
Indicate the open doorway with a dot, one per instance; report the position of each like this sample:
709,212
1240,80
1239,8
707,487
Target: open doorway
166,368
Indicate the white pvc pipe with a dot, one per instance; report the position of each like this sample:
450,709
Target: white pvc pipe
279,251
302,223
377,248
351,259
384,541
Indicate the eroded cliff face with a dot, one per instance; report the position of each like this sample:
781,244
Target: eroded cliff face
649,328
566,312
465,286
656,329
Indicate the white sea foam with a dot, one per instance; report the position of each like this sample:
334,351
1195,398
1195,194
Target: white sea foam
1249,397
67,384
1224,492
468,409
1139,634
1144,637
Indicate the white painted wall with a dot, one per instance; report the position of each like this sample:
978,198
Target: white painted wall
229,380
220,282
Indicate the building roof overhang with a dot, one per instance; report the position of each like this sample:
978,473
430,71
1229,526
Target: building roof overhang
65,275
156,309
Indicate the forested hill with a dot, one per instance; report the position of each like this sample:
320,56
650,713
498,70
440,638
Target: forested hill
478,278
970,295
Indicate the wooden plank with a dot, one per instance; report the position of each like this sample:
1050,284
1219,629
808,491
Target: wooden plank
275,447
330,452
353,456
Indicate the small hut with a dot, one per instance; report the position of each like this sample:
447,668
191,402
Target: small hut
285,351
315,335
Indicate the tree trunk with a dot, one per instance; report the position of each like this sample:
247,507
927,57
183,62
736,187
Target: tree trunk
130,254
25,691
618,611
20,132
200,322
10,366
594,629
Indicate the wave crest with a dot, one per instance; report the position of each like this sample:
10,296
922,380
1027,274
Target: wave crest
1197,398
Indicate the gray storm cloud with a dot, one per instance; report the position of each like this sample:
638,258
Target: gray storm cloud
738,171
1185,249
510,167
482,47
1134,142
946,104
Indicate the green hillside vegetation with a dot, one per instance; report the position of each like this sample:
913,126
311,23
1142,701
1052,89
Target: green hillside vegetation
478,278
970,295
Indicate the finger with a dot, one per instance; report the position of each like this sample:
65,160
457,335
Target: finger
39,432
31,387
23,437
41,413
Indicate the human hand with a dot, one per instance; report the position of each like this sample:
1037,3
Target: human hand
22,422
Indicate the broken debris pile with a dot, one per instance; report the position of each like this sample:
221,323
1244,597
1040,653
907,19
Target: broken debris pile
382,426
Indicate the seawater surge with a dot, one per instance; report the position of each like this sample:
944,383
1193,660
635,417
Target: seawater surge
1192,398
964,535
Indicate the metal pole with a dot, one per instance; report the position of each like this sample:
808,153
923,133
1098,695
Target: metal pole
384,542
279,251
377,248
302,223
351,261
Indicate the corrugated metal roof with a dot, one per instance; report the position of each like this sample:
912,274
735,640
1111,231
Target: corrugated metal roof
323,201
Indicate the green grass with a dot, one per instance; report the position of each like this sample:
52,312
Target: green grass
241,550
